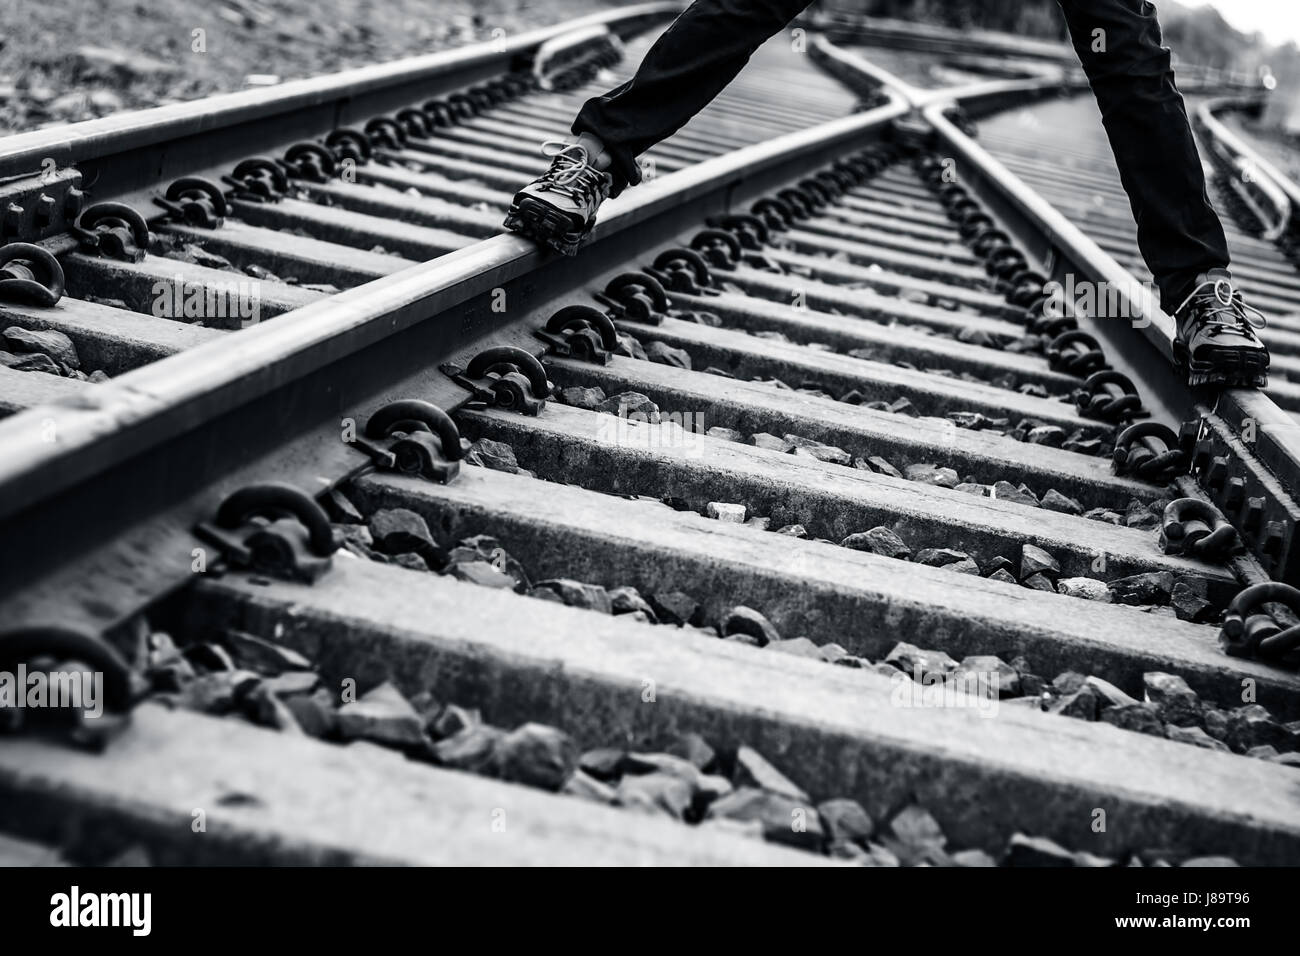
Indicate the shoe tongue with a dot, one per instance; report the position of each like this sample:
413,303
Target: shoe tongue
1213,276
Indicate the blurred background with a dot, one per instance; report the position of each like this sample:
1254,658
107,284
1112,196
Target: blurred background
1265,34
66,60
1258,38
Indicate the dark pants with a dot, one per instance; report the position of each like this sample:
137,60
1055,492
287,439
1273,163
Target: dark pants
1178,232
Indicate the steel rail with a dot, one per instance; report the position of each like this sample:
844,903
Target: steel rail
977,96
1250,169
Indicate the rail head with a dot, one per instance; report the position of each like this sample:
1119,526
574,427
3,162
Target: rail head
860,73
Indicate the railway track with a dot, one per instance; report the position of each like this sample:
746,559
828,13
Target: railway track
1255,177
1086,187
786,510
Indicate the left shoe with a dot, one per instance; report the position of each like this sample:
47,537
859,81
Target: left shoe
1215,341
558,208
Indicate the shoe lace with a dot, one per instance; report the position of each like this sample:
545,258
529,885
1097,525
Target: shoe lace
1225,309
571,172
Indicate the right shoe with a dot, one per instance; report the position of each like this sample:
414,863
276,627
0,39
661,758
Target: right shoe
558,208
1215,341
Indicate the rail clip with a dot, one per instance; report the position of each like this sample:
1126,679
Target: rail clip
30,274
419,439
582,333
273,529
1250,631
505,376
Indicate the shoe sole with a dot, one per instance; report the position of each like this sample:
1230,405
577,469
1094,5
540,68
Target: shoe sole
1226,368
545,224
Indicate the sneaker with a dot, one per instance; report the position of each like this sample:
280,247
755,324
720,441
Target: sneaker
1216,342
558,208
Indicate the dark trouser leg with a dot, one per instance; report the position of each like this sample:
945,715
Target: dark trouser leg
686,68
1178,232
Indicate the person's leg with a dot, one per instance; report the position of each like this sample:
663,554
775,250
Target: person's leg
1179,234
689,65
1119,44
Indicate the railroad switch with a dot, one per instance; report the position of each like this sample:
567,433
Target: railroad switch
911,133
959,118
